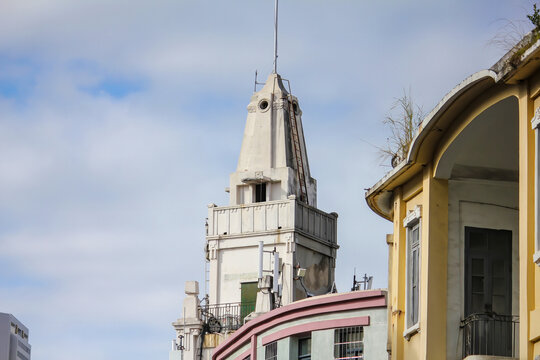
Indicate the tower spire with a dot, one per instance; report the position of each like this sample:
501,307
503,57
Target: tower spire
275,35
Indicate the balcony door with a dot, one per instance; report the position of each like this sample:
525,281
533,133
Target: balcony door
488,271
488,327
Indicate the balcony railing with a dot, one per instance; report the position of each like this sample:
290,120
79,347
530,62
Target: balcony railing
490,334
222,318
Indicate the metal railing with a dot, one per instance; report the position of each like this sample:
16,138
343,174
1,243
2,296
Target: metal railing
490,334
221,318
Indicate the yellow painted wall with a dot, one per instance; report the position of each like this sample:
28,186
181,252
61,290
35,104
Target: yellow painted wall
397,291
534,315
413,190
526,220
412,347
434,268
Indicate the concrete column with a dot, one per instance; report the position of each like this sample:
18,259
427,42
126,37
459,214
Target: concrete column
434,250
323,341
214,274
526,220
189,326
397,292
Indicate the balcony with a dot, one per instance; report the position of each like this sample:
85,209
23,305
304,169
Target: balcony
223,318
272,216
486,335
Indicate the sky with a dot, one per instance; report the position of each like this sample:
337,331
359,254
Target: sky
121,120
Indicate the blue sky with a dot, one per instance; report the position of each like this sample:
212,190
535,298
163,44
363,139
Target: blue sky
121,120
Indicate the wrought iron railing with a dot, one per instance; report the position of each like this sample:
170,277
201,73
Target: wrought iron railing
490,334
221,318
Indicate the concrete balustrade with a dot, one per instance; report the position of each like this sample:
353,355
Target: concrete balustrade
271,216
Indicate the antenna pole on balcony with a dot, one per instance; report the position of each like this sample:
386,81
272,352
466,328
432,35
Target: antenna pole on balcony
261,248
275,280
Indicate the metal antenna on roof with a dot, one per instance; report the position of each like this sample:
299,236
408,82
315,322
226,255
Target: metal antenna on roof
255,85
275,35
256,82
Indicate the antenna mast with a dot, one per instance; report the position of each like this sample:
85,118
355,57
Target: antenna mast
275,35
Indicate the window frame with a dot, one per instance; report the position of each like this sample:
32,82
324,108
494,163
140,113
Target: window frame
304,356
412,222
270,351
535,123
260,192
343,332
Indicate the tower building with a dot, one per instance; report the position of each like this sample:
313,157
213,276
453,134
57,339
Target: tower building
270,246
13,339
273,200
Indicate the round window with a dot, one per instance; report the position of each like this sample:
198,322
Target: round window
263,105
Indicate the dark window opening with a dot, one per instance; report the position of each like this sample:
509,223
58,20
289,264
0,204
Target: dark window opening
260,192
488,271
304,349
489,328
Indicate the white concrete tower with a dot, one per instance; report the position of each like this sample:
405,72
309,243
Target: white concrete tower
273,150
272,206
271,246
272,199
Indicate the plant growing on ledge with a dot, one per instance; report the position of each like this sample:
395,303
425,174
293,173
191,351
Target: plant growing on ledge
535,18
403,121
529,39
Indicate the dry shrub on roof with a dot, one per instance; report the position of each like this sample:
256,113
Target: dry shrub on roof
403,121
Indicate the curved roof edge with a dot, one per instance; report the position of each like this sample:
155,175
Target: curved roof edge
517,64
377,196
431,119
299,309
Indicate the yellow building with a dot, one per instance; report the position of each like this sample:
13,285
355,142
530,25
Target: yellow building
464,267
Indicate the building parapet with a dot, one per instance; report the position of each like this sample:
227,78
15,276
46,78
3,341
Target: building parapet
271,217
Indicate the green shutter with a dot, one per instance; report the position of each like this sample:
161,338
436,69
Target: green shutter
248,298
